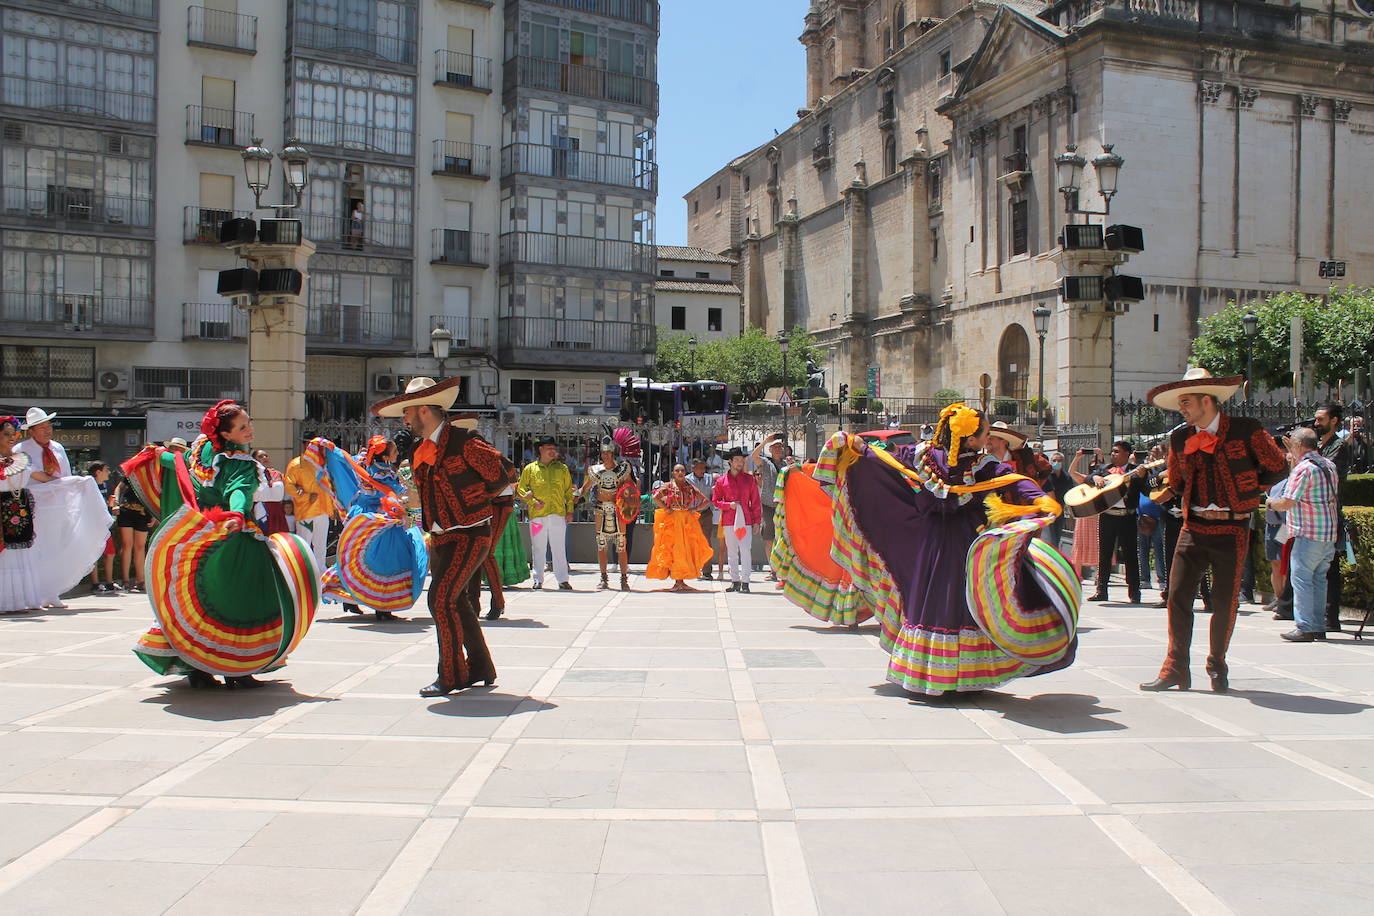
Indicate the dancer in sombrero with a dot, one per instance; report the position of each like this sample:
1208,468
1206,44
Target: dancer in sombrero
229,600
382,559
960,610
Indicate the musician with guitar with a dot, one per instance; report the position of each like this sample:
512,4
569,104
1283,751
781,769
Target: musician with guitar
1117,523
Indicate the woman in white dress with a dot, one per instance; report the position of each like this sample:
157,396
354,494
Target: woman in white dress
18,569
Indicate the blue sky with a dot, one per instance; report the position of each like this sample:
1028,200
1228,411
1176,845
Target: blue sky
730,73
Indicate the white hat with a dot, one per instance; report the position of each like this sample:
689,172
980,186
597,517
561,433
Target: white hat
1194,381
420,391
1004,432
37,415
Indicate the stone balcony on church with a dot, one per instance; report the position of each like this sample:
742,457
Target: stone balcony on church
1258,20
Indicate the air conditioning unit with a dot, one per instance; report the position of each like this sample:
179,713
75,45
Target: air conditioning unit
112,380
385,382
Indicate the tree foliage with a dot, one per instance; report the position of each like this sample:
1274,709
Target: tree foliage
750,364
1338,337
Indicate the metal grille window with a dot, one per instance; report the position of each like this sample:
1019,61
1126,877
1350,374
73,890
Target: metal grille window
37,373
187,384
1020,226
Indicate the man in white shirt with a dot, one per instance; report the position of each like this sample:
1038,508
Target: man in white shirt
46,454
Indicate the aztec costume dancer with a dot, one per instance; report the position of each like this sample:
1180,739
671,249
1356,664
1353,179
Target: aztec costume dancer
1219,466
616,503
458,474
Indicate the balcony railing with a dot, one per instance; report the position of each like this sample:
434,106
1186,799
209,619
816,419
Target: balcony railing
75,312
83,205
221,29
468,333
218,126
588,82
200,225
462,160
139,9
354,326
92,101
576,251
371,235
213,321
575,334
459,246
354,42
337,134
1016,162
643,12
559,162
463,71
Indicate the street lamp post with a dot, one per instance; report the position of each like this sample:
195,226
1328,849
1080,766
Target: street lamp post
1251,325
783,343
440,342
692,346
1042,327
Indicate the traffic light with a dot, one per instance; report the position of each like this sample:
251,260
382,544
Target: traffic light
1126,239
280,280
279,232
1077,236
1123,288
240,231
844,393
1082,288
238,281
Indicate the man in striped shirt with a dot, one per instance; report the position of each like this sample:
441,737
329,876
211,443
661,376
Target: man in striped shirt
1310,501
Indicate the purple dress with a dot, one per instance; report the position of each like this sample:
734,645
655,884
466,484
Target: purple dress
923,533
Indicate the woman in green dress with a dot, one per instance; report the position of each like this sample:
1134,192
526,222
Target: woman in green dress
229,600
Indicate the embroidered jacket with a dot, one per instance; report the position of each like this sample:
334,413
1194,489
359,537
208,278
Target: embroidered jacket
1245,462
466,475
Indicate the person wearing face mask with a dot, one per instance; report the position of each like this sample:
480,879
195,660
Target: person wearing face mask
1059,484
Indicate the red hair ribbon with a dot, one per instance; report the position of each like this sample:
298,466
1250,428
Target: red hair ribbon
209,424
376,446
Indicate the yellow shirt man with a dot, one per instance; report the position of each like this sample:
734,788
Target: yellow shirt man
546,488
307,496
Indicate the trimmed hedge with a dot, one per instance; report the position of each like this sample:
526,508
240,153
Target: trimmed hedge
1358,490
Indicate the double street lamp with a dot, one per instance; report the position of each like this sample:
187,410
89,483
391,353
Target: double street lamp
1042,327
257,169
1068,170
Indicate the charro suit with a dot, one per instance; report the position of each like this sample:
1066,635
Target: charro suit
456,491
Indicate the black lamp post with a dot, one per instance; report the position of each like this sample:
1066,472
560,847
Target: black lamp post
1068,168
1251,325
1042,327
692,346
783,343
257,171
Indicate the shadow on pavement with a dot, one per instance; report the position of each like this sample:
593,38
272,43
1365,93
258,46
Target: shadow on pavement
56,612
863,629
1296,702
1061,713
516,623
486,703
224,705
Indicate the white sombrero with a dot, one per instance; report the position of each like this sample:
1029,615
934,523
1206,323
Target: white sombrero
420,391
1002,431
1194,381
36,415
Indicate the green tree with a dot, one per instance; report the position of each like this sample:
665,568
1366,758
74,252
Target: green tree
750,364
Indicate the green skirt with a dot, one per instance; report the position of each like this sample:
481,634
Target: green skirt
511,557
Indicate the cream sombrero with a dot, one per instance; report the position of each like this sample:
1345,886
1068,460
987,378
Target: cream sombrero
420,391
1002,431
1194,381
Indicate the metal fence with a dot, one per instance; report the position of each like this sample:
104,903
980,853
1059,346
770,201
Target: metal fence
1136,419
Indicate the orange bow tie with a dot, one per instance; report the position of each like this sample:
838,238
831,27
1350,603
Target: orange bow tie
1200,441
425,453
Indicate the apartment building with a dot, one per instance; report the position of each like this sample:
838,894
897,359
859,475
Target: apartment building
695,294
482,166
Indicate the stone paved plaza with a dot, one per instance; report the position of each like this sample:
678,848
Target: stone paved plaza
647,753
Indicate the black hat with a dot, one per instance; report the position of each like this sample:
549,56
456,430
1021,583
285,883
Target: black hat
736,452
545,440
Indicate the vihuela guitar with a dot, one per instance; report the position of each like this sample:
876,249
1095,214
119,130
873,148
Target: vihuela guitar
1086,500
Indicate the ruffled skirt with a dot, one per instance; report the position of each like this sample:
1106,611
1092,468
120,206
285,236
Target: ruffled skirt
680,549
382,563
18,580
511,556
71,526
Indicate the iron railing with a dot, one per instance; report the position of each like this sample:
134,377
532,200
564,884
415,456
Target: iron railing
369,235
588,82
84,205
93,101
213,321
355,326
462,247
218,126
560,162
139,9
200,225
468,333
354,42
571,334
221,29
339,135
642,12
464,160
463,71
75,312
576,251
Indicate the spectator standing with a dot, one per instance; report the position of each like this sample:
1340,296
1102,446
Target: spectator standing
1327,423
705,481
103,585
133,522
546,487
1085,531
1311,500
1117,529
1359,445
313,505
736,494
1058,486
1149,524
765,468
1273,550
269,508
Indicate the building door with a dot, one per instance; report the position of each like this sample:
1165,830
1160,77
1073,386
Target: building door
216,205
459,69
217,111
221,22
1013,363
458,143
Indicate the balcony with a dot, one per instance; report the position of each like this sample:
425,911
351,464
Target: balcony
462,71
640,12
469,334
1015,170
378,235
218,127
213,321
354,43
353,327
41,314
462,160
461,248
577,165
573,342
576,251
54,204
139,9
222,30
200,225
587,82
820,154
355,137
88,101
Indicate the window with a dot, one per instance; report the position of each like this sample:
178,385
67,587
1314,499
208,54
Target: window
1018,139
889,156
703,275
776,208
935,243
713,319
48,372
667,273
696,206
746,184
946,64
1020,226
533,391
1156,323
717,192
679,321
187,384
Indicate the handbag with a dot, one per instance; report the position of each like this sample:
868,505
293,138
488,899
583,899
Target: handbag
1284,534
1146,524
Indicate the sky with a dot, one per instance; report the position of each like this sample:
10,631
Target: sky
730,72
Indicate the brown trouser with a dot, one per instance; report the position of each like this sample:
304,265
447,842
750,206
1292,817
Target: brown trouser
454,557
501,509
1203,545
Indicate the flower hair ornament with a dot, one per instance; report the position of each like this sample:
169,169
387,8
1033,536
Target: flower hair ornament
962,421
376,447
209,424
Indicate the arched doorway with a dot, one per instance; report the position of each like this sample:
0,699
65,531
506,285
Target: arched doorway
1013,363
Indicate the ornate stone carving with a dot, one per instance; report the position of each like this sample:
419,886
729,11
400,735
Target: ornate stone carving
1245,96
1340,109
1307,104
1210,91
